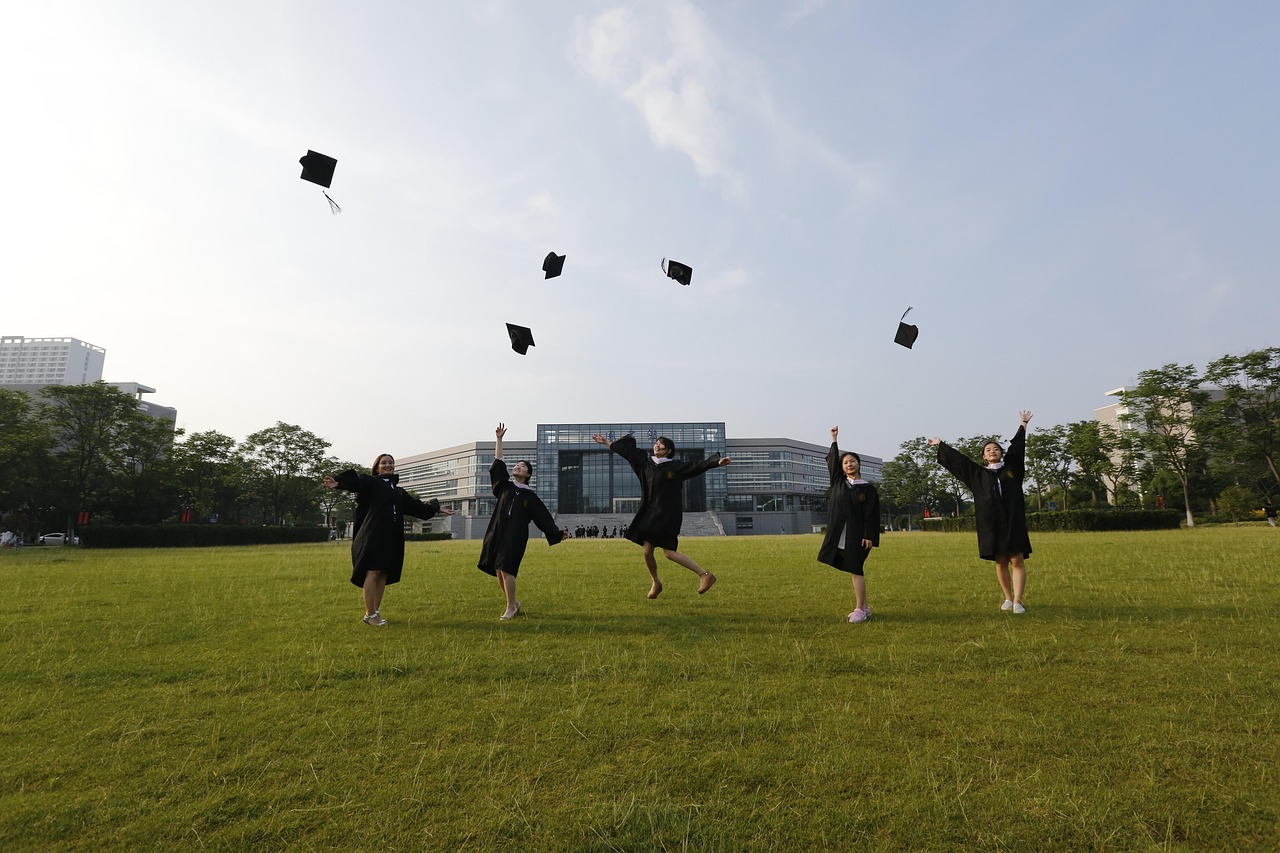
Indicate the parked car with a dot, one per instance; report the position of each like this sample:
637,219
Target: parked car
53,539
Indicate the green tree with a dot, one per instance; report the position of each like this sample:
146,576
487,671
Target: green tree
912,481
287,463
210,473
143,489
1167,406
1247,418
85,422
24,452
1089,447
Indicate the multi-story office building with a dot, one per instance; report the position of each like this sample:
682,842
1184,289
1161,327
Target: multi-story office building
32,364
774,485
49,361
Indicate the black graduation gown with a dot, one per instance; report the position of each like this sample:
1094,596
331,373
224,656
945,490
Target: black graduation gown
998,501
853,511
378,544
508,532
661,501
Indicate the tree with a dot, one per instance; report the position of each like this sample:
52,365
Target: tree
1167,405
142,468
1048,460
338,506
1089,447
210,475
287,462
85,422
24,446
1248,416
912,479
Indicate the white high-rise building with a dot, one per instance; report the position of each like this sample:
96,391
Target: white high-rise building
49,361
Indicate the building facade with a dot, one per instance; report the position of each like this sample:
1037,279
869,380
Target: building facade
49,361
774,485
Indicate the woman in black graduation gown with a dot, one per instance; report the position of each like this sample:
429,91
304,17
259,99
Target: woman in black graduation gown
508,531
377,548
853,522
1000,507
657,524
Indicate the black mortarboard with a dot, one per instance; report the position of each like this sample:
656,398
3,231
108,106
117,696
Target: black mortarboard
318,169
682,273
521,338
553,265
907,333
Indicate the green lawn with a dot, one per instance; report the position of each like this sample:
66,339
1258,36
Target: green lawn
232,699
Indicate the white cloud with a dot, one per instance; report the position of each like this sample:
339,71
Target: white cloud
668,66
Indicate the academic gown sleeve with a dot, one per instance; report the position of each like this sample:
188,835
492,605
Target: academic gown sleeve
961,467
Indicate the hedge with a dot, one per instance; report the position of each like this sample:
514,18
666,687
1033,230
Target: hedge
427,537
195,535
1077,519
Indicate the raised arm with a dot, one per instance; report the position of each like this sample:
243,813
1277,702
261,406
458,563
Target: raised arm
833,457
497,445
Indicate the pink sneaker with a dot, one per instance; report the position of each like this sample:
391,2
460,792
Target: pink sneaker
860,615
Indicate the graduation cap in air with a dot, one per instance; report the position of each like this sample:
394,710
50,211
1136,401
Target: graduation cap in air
682,273
318,169
521,338
907,333
553,265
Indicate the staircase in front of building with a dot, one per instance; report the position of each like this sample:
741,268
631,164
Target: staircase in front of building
695,523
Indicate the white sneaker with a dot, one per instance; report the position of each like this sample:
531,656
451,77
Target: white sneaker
374,619
1018,608
860,615
1008,604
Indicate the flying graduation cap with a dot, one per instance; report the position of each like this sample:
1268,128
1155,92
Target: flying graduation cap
521,338
318,169
682,273
907,333
553,265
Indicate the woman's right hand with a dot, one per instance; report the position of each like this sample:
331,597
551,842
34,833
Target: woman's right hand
330,483
933,441
500,431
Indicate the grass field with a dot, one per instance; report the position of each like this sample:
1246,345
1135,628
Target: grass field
232,699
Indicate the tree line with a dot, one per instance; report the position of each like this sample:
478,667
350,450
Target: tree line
87,454
1204,442
1201,441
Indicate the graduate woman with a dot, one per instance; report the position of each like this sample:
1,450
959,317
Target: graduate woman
1000,507
508,531
657,524
377,549
853,522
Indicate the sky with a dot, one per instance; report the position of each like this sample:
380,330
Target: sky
1065,194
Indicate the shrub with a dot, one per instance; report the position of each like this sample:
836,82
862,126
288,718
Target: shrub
428,537
1076,519
195,535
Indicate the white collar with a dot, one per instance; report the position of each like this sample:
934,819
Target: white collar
520,485
858,482
995,466
657,461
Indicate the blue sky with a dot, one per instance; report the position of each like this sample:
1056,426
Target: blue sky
1066,193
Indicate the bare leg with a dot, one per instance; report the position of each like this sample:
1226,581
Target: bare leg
652,565
1019,577
681,560
1002,575
508,584
375,583
860,592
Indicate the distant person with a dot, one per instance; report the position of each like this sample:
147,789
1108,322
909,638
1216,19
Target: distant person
1000,507
657,523
508,532
1270,512
853,522
377,546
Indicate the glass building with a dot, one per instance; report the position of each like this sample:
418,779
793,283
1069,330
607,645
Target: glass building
578,476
